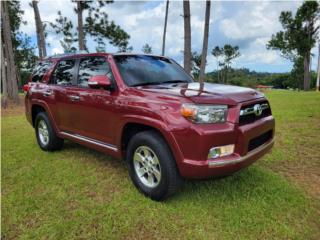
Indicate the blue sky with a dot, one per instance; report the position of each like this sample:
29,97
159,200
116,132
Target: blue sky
248,24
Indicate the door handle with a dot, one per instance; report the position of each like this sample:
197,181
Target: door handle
47,93
74,98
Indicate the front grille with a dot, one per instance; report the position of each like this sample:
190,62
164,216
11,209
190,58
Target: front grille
258,141
250,118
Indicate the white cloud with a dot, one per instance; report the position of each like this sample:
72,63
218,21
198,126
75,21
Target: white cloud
257,52
247,24
256,19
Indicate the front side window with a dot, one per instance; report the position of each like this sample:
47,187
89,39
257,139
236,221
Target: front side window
63,75
40,70
137,70
93,66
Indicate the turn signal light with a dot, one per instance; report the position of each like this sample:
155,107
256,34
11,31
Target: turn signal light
188,112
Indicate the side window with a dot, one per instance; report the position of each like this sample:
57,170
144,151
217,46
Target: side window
63,74
93,66
40,70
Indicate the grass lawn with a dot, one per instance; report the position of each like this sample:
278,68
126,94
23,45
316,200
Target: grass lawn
79,193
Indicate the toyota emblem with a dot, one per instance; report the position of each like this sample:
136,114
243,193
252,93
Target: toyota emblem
257,109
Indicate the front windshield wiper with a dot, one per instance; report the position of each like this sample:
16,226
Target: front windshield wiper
145,83
157,83
174,81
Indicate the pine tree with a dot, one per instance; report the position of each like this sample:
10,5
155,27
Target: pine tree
187,36
11,20
205,43
147,48
299,35
40,30
228,53
165,29
64,27
98,26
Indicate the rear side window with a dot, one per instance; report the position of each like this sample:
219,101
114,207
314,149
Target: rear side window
40,70
93,66
64,72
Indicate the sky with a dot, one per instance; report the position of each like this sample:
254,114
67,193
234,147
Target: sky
247,24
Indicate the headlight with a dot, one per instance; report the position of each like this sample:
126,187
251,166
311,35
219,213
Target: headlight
205,113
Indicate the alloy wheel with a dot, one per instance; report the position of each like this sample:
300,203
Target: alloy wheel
147,166
43,132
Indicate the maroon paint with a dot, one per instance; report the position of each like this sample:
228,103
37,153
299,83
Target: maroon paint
102,115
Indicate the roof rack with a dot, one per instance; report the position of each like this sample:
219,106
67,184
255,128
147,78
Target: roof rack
67,54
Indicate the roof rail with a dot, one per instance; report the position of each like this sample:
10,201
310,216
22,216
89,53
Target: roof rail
67,54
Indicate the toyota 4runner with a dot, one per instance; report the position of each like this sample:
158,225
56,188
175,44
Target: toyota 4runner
147,110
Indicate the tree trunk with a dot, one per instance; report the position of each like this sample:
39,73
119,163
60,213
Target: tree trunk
40,31
318,76
205,43
218,70
187,36
4,89
11,78
226,75
165,29
306,77
80,26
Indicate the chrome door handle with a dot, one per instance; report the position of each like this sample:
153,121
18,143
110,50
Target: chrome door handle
74,98
47,93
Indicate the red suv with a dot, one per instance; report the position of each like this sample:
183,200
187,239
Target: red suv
147,110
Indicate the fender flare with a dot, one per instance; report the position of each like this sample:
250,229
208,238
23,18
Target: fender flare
44,105
160,126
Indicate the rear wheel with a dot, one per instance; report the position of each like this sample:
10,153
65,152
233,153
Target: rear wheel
46,136
152,167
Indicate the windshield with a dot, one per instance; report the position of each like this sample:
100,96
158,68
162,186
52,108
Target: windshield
138,70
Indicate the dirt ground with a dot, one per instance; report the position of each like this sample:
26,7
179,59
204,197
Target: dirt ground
13,109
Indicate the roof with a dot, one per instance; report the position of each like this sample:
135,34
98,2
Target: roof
130,53
84,54
67,55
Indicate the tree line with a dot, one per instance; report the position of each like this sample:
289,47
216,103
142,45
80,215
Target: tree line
295,41
298,37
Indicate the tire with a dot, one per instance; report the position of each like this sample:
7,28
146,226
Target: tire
46,136
149,156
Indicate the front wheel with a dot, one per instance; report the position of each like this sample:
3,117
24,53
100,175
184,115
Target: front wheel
151,166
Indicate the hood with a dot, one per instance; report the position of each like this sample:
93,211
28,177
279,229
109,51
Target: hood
206,92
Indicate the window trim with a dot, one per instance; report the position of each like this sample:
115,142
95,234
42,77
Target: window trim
113,80
45,73
73,81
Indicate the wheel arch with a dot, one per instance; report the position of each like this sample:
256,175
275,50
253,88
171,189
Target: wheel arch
39,106
130,128
35,110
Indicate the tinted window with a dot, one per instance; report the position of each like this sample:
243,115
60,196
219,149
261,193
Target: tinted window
93,66
63,75
142,70
40,70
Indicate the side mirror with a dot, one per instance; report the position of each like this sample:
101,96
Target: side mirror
99,81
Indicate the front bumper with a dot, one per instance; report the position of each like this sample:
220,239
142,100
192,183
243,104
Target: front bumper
195,163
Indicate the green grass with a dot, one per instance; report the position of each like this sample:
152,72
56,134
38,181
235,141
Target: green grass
78,193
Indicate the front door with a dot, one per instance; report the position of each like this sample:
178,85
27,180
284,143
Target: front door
93,111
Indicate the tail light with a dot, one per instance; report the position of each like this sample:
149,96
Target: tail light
26,88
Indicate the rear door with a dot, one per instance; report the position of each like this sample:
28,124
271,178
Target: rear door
62,83
93,110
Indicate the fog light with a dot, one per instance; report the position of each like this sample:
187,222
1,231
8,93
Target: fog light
221,151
